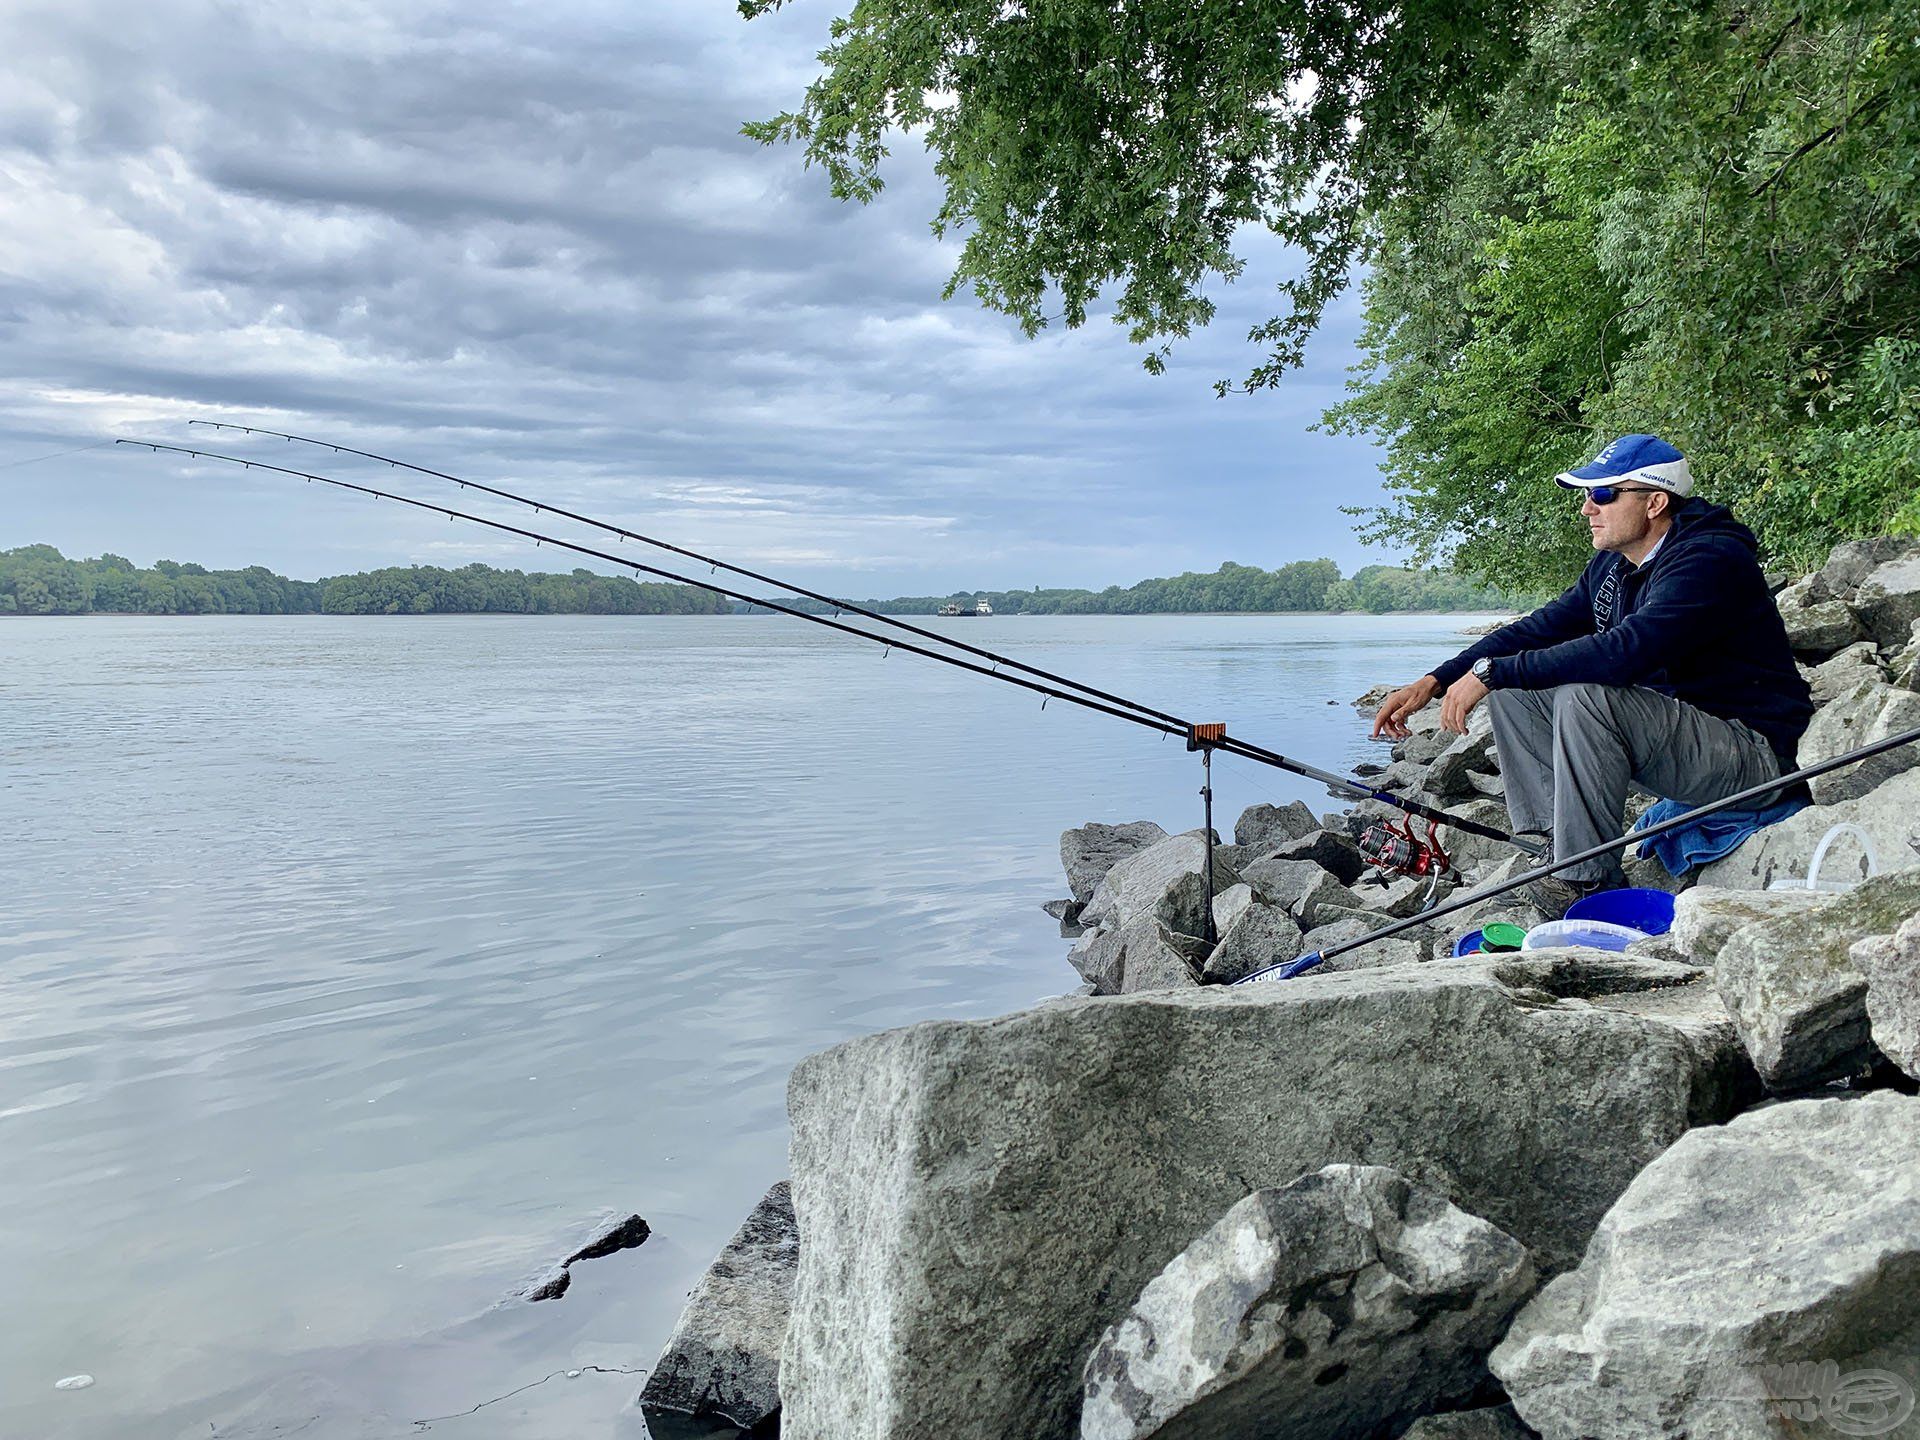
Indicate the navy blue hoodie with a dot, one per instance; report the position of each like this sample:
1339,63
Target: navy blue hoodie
1696,622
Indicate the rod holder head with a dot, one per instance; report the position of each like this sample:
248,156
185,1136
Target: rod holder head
1205,737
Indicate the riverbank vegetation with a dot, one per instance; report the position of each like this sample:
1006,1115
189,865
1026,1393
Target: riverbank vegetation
39,580
1571,221
1303,587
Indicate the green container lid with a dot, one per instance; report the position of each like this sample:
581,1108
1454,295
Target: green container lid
1499,936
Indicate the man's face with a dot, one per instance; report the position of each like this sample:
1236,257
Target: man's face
1624,523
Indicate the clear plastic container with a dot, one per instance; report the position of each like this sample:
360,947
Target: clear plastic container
1596,934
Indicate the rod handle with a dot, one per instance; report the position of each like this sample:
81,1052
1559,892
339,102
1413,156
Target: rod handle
1312,960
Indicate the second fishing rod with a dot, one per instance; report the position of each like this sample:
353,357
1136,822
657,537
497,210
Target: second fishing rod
1203,738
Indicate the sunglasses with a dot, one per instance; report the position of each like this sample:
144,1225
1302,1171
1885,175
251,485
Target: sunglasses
1607,494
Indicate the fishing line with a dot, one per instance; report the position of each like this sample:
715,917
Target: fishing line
37,459
1171,728
708,560
1090,697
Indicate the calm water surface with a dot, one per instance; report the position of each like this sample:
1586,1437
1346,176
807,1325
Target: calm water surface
349,967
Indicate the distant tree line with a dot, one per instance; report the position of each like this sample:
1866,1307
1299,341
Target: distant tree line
1302,586
39,580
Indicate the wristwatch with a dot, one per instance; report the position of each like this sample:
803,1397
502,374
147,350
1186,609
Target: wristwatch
1483,670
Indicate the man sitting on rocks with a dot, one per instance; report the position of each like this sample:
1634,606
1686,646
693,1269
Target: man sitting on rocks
1665,665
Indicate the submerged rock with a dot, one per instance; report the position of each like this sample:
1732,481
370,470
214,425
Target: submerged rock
723,1359
981,1199
1324,1310
1497,1422
1795,994
608,1235
1735,1268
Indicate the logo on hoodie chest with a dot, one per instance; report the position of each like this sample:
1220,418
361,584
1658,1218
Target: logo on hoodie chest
1606,599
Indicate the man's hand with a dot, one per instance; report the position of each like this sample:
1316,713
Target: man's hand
1462,696
1391,718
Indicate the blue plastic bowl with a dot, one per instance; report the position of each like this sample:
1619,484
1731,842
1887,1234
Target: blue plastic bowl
1467,944
1648,910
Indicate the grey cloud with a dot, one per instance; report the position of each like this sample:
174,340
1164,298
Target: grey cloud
530,242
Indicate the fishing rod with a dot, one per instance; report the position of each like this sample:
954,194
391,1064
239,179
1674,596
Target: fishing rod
1287,969
1195,738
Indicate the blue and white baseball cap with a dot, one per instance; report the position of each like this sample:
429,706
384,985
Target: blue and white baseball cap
1633,460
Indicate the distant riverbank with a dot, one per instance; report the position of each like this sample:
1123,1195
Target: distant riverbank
39,580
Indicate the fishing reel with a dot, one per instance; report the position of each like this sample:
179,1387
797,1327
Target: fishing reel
1397,848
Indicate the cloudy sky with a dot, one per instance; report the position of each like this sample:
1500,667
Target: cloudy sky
528,244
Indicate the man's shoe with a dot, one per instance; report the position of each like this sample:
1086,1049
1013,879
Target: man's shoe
1554,895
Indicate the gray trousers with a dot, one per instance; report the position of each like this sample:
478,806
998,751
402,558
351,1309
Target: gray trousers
1570,754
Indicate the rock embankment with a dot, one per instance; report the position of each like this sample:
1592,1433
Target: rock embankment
1571,1194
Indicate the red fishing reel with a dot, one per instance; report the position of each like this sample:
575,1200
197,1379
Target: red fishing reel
1400,850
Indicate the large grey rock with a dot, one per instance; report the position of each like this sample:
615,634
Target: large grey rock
1472,851
1705,918
1164,882
1448,779
1495,1422
1891,965
1734,1267
1090,851
1400,896
1903,666
1342,926
1403,777
1263,828
1253,935
980,1199
1144,955
1889,600
1325,1310
1423,747
1845,669
1796,997
1868,710
1282,882
723,1360
1852,561
1323,898
1334,853
1783,851
1816,624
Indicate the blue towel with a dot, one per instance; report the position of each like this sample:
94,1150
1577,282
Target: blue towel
1709,837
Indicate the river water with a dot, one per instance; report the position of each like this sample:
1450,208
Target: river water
348,968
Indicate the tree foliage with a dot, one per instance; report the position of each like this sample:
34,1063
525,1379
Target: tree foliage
1118,147
1715,238
1698,219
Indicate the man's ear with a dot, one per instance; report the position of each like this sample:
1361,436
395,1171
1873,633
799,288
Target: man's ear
1661,503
